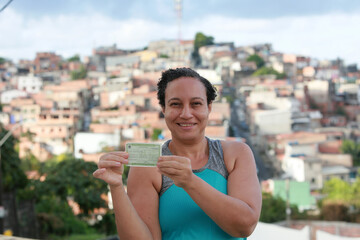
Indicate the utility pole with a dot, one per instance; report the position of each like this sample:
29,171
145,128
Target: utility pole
178,9
288,209
2,209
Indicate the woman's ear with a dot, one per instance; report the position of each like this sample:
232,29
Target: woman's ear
210,107
163,110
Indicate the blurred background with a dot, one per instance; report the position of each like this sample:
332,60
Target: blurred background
78,78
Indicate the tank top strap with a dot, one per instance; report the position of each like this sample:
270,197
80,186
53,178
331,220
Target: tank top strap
216,160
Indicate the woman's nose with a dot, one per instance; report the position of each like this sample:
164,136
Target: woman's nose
186,112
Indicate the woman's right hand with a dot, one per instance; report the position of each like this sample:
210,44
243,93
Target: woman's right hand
111,168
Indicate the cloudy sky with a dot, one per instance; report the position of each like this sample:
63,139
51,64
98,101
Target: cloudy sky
323,29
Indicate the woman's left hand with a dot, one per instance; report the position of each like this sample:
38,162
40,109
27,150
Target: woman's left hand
177,168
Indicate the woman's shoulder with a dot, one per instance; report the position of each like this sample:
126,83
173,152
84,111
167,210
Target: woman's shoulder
234,146
236,153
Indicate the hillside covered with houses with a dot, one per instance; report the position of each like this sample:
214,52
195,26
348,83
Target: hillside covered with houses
300,115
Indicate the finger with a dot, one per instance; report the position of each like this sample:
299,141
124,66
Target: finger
114,157
99,172
171,164
170,171
121,154
173,159
170,158
107,164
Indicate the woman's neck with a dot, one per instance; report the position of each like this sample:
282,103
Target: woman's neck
196,151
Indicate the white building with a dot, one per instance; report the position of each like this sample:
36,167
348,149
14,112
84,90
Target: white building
29,84
300,162
9,95
94,142
4,118
269,122
319,91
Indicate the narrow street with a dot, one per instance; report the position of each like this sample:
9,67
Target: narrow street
240,129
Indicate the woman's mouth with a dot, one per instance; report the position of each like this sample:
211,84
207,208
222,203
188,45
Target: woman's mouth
186,124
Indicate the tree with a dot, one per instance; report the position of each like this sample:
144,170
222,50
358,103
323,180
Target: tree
73,178
162,55
352,148
337,190
2,60
200,40
79,74
268,71
56,217
75,58
339,110
273,208
13,176
340,198
156,133
355,191
257,59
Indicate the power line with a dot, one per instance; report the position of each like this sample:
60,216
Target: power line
5,6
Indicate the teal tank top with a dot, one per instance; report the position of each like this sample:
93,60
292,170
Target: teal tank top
180,217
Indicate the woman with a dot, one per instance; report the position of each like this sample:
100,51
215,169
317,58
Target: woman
201,188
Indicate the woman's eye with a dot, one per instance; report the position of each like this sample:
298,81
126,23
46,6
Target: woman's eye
174,104
196,103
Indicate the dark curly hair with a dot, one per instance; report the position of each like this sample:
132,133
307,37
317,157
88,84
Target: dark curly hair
172,74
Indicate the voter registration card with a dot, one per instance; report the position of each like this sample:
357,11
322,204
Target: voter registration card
143,154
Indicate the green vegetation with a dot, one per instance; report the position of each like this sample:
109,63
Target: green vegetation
13,177
229,99
79,74
269,71
156,133
163,56
340,198
200,40
67,179
73,177
352,148
339,110
75,58
337,190
89,236
273,209
257,59
2,60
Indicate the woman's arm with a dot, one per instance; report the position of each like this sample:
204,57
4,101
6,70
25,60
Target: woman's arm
128,222
143,189
236,213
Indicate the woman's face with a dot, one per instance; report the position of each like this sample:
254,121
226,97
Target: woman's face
186,110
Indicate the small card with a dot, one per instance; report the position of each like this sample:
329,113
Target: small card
143,154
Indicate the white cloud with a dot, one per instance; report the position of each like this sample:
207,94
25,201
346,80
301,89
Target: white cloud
69,35
324,37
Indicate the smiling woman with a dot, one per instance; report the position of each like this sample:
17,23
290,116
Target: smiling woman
201,189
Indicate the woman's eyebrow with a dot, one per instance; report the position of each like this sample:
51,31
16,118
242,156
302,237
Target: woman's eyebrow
192,99
198,98
173,99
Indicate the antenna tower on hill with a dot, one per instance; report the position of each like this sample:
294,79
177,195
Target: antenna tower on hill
178,9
